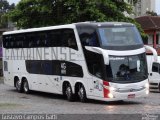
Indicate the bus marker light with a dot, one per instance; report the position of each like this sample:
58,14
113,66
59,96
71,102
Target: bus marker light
147,92
147,85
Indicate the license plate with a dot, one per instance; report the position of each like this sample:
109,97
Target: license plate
131,96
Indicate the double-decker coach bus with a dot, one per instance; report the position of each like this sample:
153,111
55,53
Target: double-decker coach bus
102,61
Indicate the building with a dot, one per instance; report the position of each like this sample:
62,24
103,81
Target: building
151,26
141,7
10,27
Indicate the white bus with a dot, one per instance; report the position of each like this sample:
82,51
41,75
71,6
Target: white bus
102,61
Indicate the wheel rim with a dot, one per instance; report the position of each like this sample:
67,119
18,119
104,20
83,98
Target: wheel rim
25,87
68,92
18,85
81,93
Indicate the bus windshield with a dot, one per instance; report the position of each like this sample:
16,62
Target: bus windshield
119,36
127,69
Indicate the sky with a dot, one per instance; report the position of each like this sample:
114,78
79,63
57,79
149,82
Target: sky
13,1
157,9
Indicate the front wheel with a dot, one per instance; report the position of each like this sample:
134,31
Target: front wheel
25,87
82,94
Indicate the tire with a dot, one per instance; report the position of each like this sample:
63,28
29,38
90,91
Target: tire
26,87
82,94
18,86
68,92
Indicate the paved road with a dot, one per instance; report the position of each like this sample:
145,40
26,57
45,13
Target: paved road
44,103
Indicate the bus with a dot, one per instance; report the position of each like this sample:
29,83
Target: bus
88,60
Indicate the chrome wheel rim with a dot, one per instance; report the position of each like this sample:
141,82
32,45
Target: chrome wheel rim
81,93
18,85
68,92
25,86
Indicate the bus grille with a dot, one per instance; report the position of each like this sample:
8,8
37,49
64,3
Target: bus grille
130,90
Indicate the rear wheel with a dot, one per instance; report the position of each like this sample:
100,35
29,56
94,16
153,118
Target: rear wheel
25,86
69,93
18,86
82,94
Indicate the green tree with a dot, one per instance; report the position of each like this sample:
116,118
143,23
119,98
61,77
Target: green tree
4,8
37,13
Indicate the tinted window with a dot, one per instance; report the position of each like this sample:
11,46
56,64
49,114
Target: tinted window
155,67
19,41
47,67
88,36
33,66
69,39
52,38
71,69
55,67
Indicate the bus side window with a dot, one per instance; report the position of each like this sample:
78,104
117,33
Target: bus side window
32,40
97,71
54,38
12,42
33,66
69,39
40,39
6,41
19,41
93,40
84,39
47,67
89,39
74,70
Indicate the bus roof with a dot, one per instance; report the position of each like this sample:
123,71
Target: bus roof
94,24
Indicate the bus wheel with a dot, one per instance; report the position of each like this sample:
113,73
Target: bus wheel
18,86
25,86
69,93
82,94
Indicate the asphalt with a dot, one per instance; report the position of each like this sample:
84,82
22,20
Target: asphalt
1,80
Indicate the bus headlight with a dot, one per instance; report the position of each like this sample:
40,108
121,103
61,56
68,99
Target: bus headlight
110,95
147,85
147,91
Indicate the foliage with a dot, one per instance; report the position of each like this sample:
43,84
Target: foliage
38,13
151,13
4,8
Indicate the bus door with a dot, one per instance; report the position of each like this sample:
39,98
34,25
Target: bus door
7,70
